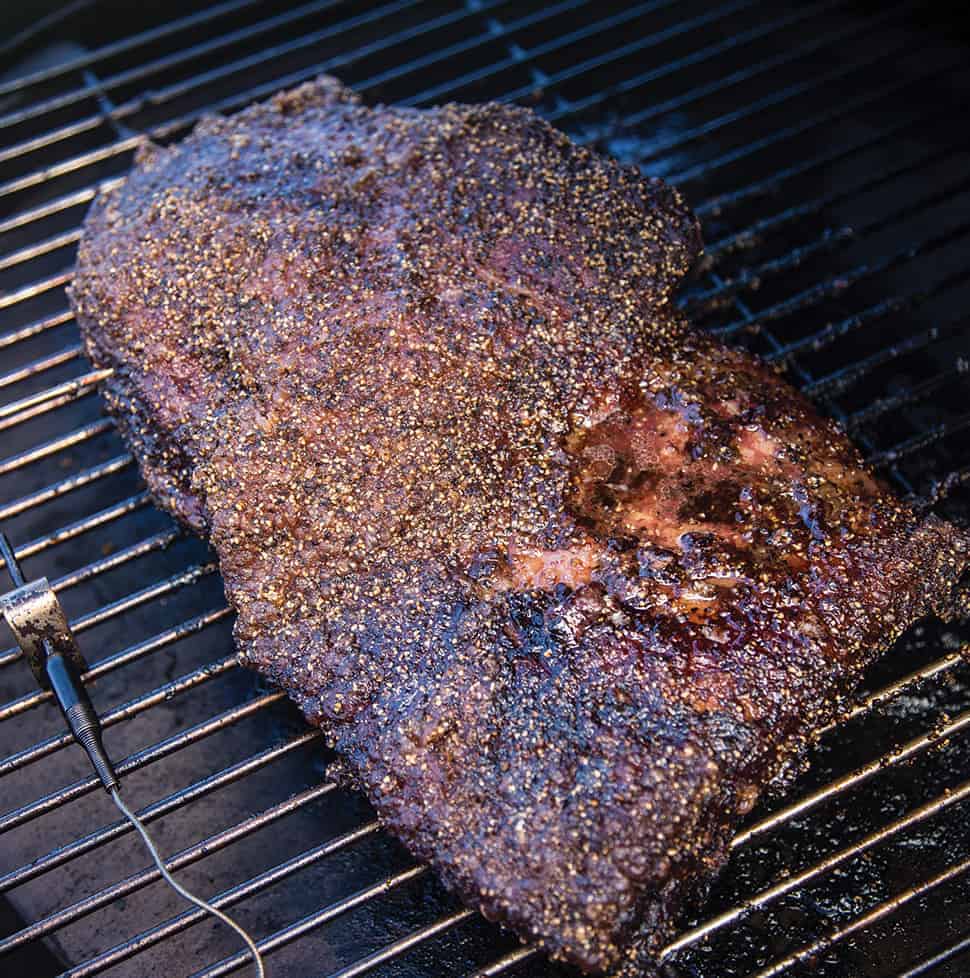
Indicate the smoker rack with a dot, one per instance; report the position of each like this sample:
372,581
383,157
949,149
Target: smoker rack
822,145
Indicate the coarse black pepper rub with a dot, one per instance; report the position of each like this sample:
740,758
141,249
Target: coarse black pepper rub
565,582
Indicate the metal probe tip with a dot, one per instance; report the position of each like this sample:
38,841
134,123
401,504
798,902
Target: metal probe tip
38,622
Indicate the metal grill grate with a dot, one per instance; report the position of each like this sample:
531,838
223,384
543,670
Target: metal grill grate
822,144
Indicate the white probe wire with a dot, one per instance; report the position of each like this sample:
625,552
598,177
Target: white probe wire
182,891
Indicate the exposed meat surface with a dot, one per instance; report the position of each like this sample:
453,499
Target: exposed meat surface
565,582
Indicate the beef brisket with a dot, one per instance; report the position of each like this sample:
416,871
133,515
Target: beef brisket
565,582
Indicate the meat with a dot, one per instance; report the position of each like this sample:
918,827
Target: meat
565,582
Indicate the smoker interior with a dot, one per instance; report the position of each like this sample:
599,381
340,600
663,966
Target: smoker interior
825,147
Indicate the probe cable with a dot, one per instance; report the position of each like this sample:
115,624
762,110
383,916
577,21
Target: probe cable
139,827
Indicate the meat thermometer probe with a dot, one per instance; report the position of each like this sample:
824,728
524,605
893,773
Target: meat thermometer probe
37,620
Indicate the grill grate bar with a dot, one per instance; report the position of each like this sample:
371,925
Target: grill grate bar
163,806
786,133
835,237
54,206
728,290
726,81
664,147
830,239
498,967
64,486
399,947
157,590
71,165
306,924
71,388
909,394
759,900
717,205
54,136
828,334
175,925
522,954
37,367
40,365
440,54
918,442
190,680
941,957
460,47
45,247
71,530
120,47
814,798
841,281
185,857
840,380
902,685
45,405
34,329
866,920
34,289
651,40
145,70
157,541
141,759
202,79
132,653
76,437
752,234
